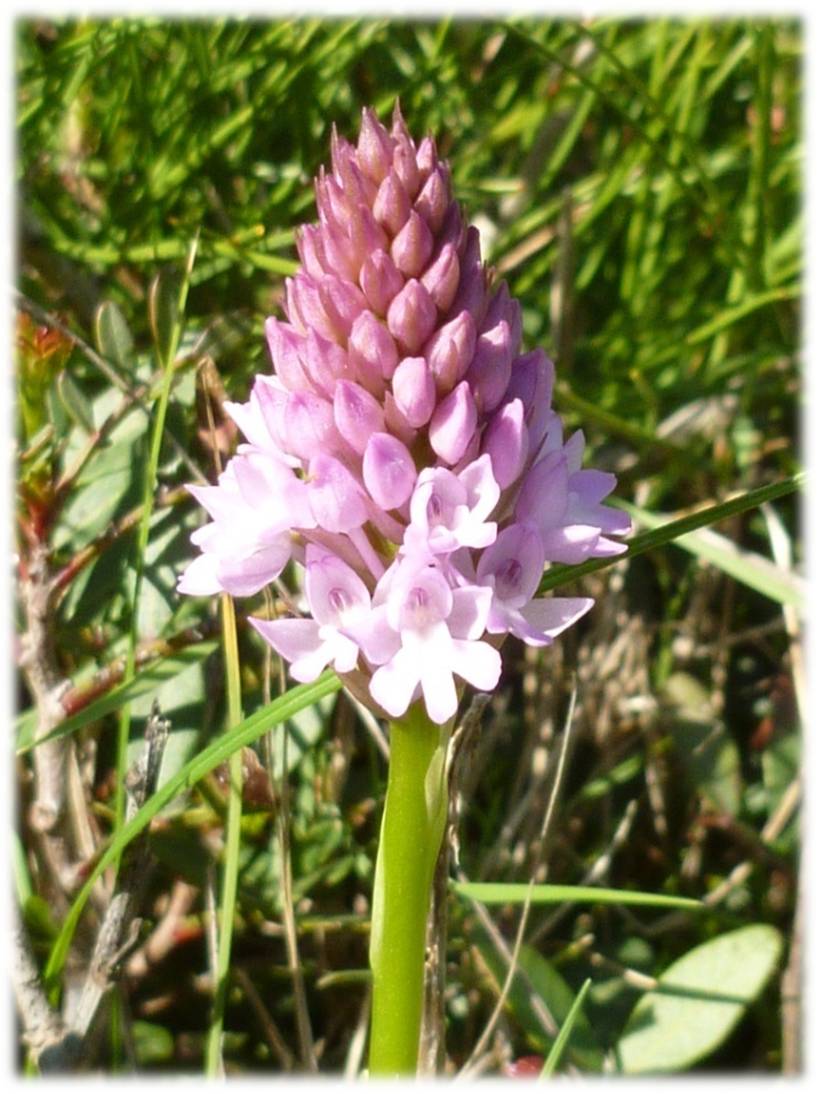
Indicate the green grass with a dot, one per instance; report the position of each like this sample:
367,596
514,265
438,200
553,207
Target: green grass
639,185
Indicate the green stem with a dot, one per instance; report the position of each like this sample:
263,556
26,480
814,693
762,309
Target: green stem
411,832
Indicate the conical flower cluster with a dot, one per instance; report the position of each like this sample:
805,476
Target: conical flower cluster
405,451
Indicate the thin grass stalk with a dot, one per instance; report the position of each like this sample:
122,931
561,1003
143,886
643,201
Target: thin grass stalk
149,489
214,1065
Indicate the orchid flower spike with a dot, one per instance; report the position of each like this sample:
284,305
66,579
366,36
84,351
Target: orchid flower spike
404,450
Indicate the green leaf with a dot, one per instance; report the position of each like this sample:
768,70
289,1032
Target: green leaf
244,734
153,1044
551,988
699,1001
145,681
489,892
74,403
706,750
163,309
113,337
558,1047
751,569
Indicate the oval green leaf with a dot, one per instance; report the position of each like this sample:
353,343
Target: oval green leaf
113,337
699,1001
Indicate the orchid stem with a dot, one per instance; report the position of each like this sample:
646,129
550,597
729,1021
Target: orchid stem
411,832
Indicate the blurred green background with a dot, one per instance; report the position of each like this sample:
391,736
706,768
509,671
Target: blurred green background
639,185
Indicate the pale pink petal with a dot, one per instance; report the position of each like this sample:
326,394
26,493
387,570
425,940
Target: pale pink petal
393,684
297,641
477,662
200,578
550,616
470,609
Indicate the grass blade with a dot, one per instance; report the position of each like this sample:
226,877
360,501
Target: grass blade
561,1042
243,734
166,347
491,892
751,569
214,1064
147,679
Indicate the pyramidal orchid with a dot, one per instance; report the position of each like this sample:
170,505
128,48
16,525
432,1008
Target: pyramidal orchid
404,451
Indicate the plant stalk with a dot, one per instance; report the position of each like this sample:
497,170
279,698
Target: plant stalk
411,832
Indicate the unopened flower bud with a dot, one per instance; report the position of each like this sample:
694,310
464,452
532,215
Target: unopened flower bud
375,147
433,200
490,369
412,246
442,277
391,208
372,352
381,281
453,424
413,387
389,471
357,414
506,442
450,350
336,499
411,317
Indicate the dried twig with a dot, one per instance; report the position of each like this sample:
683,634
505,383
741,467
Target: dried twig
50,1043
61,1043
50,759
119,931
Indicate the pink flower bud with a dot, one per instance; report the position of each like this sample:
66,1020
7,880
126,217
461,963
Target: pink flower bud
453,424
427,157
325,363
339,253
472,289
311,250
412,246
450,350
413,387
357,188
381,281
502,306
391,208
532,381
372,352
453,230
333,206
308,425
433,200
357,414
365,234
285,344
342,301
375,147
337,500
405,167
490,369
442,277
304,308
506,442
389,471
396,422
411,317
